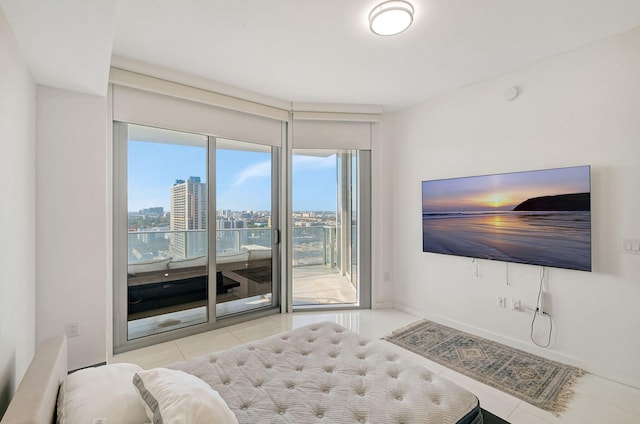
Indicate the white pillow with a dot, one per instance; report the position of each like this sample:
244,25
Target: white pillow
175,397
232,257
104,392
148,266
188,263
255,254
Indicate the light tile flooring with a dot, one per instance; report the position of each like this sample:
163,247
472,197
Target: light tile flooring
595,400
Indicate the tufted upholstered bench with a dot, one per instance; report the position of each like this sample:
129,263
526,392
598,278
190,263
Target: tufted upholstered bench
323,373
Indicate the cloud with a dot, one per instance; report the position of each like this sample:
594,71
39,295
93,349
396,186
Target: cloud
300,163
262,169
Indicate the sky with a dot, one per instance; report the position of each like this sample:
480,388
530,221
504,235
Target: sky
243,178
501,192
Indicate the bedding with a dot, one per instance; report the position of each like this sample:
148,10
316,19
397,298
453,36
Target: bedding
318,373
172,396
325,373
101,393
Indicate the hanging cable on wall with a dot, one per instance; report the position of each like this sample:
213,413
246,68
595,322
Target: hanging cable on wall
540,311
507,272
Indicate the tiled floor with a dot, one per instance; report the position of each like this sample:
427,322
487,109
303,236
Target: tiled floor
595,400
320,285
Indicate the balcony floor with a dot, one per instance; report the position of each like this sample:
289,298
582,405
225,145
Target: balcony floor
321,285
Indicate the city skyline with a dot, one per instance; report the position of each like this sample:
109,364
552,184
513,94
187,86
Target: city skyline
243,178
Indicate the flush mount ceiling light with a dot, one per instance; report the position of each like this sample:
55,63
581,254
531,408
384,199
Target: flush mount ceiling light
391,17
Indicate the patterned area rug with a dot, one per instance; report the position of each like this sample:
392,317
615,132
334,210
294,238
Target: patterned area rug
541,382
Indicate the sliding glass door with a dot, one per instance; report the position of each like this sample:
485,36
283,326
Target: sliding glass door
246,203
196,233
167,231
327,189
197,239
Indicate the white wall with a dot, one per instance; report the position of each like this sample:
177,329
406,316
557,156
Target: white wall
382,214
17,215
575,109
72,221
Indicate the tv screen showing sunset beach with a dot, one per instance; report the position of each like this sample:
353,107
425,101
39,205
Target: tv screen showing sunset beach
534,217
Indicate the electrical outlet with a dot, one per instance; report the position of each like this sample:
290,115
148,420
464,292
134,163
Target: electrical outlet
515,304
72,329
502,302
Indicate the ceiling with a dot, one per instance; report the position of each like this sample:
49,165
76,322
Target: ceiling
307,50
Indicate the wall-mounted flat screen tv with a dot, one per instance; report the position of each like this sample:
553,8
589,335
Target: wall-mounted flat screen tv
535,217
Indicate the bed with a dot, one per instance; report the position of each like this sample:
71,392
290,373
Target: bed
320,373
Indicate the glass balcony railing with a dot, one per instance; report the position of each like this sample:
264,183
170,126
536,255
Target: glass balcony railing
314,246
311,245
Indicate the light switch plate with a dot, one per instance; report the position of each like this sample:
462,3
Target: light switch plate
631,246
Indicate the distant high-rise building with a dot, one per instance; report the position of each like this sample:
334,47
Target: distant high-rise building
188,213
224,224
225,213
228,224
